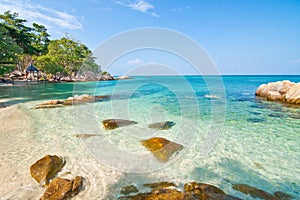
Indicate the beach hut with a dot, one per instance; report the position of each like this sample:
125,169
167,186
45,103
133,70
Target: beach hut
30,70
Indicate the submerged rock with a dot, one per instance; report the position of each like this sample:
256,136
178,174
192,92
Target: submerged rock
60,189
46,168
161,148
129,189
282,195
255,120
285,91
254,192
162,125
110,124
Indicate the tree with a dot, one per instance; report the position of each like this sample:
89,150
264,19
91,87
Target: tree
71,55
18,31
40,39
9,51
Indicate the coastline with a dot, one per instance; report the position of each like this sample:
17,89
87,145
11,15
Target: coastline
29,134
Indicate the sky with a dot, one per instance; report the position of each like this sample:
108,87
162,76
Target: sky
240,37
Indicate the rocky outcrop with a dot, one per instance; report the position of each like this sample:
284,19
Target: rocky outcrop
46,168
60,189
161,148
110,124
106,77
284,91
162,125
77,99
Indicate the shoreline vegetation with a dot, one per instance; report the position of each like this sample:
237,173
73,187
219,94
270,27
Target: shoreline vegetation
27,54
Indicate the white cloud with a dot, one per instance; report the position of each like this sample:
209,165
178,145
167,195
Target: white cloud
135,61
141,6
138,5
52,19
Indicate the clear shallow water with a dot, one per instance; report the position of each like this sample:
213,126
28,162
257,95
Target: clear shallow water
235,138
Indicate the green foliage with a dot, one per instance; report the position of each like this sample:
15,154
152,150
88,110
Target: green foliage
71,55
9,49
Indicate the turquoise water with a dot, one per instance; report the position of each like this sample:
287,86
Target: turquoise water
228,137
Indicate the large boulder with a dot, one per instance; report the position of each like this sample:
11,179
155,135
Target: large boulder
46,168
285,91
162,148
61,189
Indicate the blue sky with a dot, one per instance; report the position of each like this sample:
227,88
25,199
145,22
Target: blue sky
241,37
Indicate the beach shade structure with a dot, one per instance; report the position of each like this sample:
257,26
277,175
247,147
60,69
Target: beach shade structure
30,70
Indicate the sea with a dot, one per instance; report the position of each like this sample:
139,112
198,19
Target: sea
229,136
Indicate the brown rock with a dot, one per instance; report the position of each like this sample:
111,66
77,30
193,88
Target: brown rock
46,168
201,190
110,124
61,189
254,192
161,148
162,125
58,189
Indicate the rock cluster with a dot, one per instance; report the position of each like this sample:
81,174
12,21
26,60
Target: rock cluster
77,99
195,191
161,148
45,169
191,191
284,91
